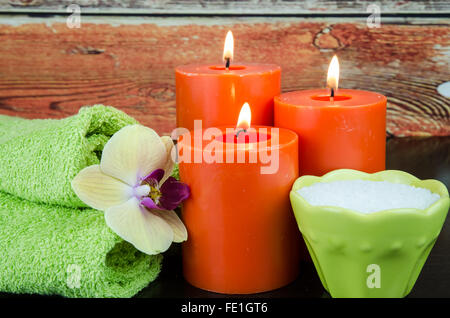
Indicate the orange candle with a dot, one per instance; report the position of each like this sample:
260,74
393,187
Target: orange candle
242,233
347,130
215,93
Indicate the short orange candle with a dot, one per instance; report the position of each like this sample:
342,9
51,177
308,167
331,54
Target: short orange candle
242,236
214,94
346,132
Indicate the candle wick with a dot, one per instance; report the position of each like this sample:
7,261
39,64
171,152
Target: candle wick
227,63
332,95
239,131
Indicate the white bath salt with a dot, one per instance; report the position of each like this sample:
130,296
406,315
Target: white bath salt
368,196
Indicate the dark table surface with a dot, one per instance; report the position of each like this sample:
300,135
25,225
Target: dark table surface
426,158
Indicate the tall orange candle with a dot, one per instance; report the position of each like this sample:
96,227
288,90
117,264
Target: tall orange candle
215,93
346,130
242,234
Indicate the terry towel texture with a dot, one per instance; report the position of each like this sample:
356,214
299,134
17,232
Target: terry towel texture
40,157
48,244
57,250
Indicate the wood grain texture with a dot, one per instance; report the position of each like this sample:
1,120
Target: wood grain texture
50,70
281,7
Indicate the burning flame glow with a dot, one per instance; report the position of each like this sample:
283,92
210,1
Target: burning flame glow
245,117
228,48
333,73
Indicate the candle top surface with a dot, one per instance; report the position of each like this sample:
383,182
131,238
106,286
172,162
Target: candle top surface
321,98
368,196
235,69
269,137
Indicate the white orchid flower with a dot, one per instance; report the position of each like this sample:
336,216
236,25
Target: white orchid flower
133,186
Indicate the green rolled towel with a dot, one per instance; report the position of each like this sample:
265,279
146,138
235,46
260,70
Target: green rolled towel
49,243
50,250
40,157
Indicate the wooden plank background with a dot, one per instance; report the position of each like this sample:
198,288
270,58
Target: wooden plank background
281,7
50,70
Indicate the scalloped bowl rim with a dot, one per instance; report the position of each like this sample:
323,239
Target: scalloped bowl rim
350,174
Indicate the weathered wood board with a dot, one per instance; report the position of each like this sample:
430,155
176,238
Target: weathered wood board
279,7
50,70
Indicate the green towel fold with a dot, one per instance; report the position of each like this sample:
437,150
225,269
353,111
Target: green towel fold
40,157
48,244
51,250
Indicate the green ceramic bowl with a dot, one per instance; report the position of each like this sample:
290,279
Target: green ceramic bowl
369,255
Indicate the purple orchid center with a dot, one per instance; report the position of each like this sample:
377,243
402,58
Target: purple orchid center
165,196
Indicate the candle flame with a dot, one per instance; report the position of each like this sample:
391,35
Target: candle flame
228,48
333,73
245,117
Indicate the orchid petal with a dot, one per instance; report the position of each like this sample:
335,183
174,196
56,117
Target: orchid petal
149,203
148,232
173,193
99,190
179,230
133,152
168,167
154,177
